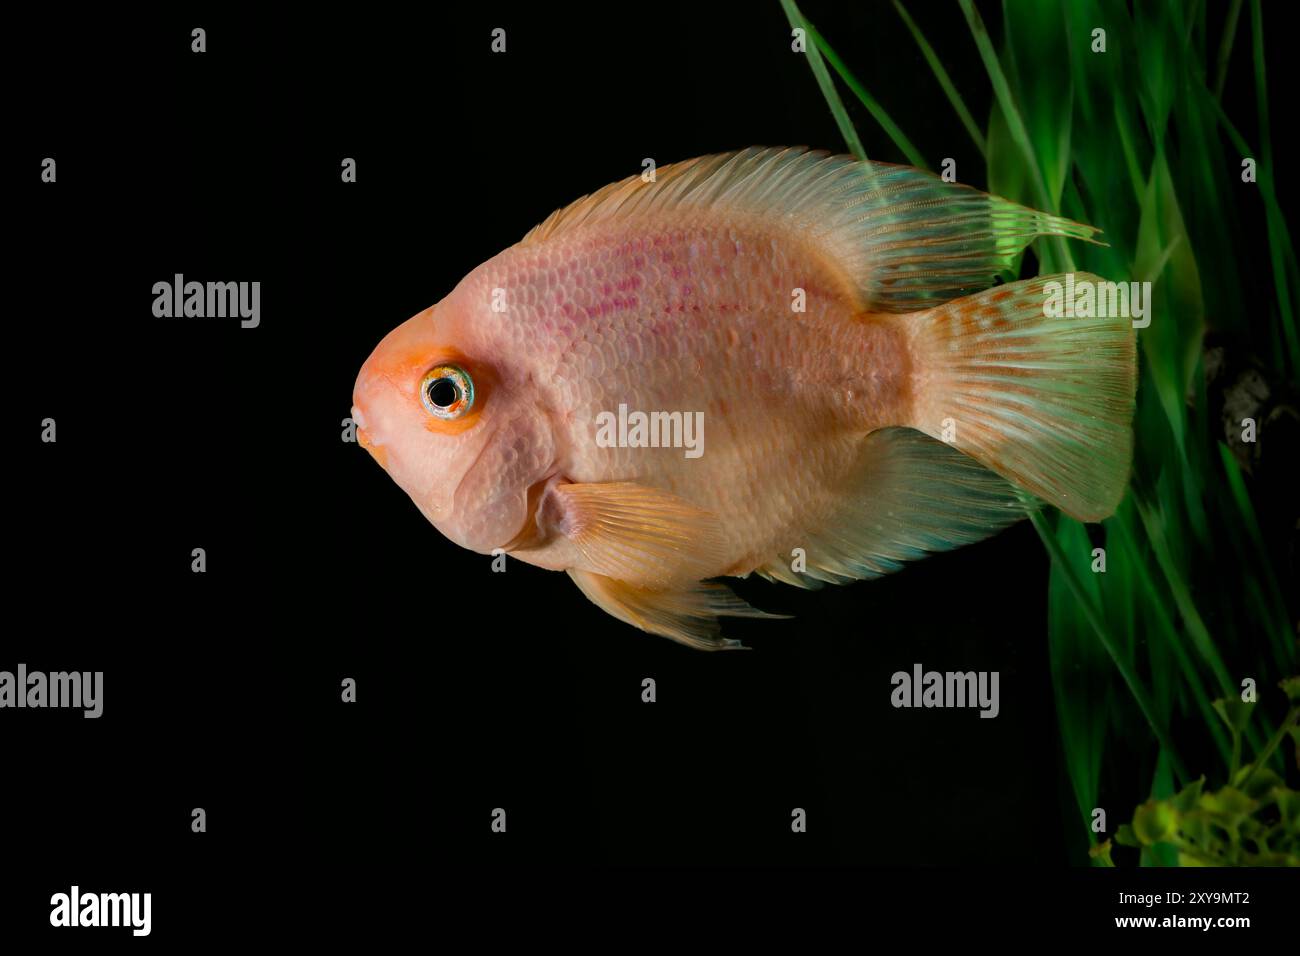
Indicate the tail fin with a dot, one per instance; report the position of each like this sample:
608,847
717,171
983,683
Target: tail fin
1042,398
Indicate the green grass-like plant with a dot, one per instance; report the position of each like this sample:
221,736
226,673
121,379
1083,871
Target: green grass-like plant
1189,613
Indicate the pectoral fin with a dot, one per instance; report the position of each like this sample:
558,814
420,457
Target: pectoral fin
688,615
637,534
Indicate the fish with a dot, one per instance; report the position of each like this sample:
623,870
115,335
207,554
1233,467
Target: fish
867,392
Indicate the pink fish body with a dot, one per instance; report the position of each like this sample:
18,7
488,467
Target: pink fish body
772,361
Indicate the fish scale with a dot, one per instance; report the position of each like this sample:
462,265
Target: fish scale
677,348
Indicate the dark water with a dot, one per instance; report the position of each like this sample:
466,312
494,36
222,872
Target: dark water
475,690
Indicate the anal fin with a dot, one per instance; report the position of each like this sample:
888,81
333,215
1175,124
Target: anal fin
909,496
688,614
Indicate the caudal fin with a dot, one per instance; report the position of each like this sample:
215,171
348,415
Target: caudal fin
1041,398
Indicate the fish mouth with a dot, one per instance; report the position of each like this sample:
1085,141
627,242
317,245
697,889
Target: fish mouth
377,452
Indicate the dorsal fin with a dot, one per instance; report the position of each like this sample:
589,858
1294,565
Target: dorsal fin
907,239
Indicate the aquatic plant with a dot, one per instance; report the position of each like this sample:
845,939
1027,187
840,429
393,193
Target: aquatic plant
1115,116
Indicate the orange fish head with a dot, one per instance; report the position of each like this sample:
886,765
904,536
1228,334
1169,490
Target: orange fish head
454,419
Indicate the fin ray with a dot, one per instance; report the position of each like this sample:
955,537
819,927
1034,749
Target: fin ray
635,533
905,239
688,615
1045,401
911,495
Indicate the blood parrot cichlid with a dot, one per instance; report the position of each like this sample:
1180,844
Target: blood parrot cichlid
862,394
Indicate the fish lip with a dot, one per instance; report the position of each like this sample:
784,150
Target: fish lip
376,449
365,440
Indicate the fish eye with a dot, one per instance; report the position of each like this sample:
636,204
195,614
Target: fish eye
447,391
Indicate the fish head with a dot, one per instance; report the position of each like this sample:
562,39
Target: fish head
457,421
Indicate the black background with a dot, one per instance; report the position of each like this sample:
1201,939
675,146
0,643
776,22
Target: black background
475,690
